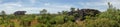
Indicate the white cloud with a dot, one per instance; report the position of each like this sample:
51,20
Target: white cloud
93,3
9,7
61,6
46,4
115,3
51,7
99,5
54,8
32,1
57,5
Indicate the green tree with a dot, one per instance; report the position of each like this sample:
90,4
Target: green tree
3,14
72,9
64,12
59,13
44,11
111,13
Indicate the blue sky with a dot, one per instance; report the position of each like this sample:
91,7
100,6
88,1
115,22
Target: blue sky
53,6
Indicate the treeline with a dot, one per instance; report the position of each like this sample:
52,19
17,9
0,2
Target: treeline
73,18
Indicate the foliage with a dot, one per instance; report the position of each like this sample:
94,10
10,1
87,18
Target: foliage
102,22
109,18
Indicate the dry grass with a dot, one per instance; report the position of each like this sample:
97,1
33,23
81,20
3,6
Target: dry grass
80,23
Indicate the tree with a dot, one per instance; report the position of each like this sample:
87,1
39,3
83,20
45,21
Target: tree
44,11
3,14
59,13
110,5
64,12
111,13
72,9
111,8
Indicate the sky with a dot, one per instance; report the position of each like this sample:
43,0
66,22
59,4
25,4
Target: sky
53,6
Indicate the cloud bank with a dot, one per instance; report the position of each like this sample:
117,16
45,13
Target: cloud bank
53,6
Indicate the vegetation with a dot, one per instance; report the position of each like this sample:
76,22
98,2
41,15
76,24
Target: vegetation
109,18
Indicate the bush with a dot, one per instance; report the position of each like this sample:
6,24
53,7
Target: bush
102,22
